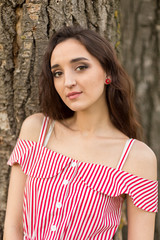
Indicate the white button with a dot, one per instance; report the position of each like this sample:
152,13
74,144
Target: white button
65,181
58,204
73,164
53,228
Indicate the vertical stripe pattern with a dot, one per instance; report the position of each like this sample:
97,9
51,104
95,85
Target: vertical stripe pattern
66,199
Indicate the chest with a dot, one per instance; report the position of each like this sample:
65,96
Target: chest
92,150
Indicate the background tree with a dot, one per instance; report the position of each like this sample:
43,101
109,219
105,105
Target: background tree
25,28
140,38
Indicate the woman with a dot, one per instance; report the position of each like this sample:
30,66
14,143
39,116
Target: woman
77,160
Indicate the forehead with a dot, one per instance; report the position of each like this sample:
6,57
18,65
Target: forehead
69,49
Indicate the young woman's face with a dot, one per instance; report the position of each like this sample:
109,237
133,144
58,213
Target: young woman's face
78,76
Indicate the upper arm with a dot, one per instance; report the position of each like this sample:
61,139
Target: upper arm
140,222
30,130
15,199
31,127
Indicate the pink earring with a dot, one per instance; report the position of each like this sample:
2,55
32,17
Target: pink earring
108,81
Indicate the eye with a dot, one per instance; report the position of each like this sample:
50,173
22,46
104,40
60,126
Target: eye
57,74
81,67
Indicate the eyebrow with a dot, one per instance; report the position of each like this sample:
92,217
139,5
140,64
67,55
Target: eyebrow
72,61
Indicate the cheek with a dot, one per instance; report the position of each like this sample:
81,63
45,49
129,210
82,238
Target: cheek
97,85
58,87
97,89
60,90
98,78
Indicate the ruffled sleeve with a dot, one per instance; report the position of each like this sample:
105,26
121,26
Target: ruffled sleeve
36,160
144,192
114,182
20,154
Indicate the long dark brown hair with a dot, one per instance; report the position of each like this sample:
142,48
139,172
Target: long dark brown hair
119,94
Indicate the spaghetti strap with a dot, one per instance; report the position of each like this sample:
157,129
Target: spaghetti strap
125,153
43,130
48,134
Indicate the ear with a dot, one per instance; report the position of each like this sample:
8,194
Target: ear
108,80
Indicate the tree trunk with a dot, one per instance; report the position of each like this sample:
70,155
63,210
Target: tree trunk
24,30
140,27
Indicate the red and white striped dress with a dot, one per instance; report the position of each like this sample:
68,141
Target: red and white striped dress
72,200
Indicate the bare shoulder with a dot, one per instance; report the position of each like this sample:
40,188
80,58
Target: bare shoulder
142,161
31,127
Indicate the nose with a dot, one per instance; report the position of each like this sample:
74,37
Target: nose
69,80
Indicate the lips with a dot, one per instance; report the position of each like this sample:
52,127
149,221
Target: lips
73,95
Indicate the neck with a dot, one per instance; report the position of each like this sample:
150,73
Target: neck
93,121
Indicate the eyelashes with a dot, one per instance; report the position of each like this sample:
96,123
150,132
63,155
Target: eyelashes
56,74
79,68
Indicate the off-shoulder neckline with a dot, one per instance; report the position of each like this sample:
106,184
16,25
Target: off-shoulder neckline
85,163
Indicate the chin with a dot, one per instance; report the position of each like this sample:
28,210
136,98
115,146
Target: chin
78,108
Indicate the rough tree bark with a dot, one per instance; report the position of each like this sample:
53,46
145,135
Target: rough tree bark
24,31
140,28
